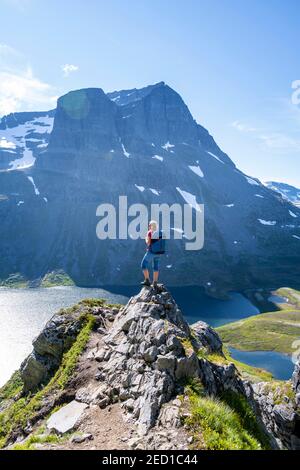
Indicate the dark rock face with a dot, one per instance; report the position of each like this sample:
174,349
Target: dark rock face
48,348
144,144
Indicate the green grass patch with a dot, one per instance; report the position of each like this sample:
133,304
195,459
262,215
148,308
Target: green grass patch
112,305
70,358
273,331
253,374
29,444
222,424
239,404
92,302
57,278
187,345
292,295
12,387
88,303
24,409
15,280
212,357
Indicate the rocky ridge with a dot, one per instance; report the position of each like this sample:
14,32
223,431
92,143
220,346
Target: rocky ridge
133,371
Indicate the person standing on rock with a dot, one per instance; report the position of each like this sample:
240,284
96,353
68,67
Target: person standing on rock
155,247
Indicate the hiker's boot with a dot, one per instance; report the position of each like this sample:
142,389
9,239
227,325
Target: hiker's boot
146,282
154,284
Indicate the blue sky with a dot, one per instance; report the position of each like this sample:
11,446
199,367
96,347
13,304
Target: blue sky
232,61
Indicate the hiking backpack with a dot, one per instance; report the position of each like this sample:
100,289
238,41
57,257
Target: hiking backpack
158,243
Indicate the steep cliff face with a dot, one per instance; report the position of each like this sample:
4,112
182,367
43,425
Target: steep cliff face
146,145
145,371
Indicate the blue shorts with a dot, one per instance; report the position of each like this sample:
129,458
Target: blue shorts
149,261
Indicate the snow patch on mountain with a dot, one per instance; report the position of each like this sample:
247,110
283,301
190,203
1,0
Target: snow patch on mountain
34,185
251,181
127,154
286,190
167,146
24,162
178,230
197,170
215,156
154,191
158,157
267,222
5,144
17,139
140,188
292,214
190,199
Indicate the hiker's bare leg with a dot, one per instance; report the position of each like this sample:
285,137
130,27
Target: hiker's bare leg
155,276
146,274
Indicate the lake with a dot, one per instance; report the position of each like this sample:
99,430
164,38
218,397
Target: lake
280,365
196,305
24,312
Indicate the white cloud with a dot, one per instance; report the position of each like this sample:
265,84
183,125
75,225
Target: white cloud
272,140
242,127
279,141
20,5
69,68
19,88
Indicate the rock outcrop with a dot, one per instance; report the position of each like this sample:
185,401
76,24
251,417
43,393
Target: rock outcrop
48,348
279,413
145,356
296,382
207,337
140,358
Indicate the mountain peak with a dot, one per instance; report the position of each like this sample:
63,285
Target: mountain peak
124,97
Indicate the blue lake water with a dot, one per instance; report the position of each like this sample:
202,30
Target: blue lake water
24,312
280,365
196,305
277,299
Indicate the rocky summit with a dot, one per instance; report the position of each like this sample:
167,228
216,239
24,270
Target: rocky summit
103,376
58,167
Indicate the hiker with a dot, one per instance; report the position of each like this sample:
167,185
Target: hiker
155,248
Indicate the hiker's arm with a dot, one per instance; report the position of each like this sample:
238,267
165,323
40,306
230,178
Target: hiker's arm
148,239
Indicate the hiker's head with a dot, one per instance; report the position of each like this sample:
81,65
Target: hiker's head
153,225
